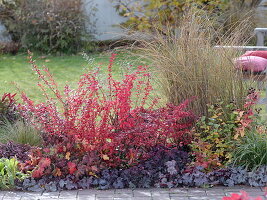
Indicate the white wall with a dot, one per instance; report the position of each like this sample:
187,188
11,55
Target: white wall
4,37
107,20
261,14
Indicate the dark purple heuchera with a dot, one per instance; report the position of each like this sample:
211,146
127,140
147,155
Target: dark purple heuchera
142,178
164,168
162,160
11,149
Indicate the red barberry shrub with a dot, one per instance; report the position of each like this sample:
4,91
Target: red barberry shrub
97,126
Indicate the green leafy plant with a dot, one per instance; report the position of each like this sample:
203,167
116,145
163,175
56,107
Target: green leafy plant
9,173
19,132
49,26
217,135
251,151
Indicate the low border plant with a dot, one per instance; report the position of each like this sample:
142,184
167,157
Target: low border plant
9,173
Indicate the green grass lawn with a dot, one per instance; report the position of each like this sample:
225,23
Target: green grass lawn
15,71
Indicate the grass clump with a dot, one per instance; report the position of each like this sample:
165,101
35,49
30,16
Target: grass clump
251,151
19,132
187,64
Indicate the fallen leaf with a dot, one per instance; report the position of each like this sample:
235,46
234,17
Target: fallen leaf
105,157
67,155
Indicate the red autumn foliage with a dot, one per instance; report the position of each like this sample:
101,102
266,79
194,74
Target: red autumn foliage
242,196
72,167
94,126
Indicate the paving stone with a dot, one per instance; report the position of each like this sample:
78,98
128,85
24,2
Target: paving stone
158,194
100,198
12,198
179,198
178,190
122,198
141,198
68,193
243,188
13,194
215,192
124,191
206,198
114,195
92,192
179,194
161,198
28,198
197,192
70,198
47,198
255,193
52,195
141,193
30,194
91,196
84,197
252,193
160,190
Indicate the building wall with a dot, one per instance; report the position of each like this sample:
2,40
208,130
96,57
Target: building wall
261,14
106,18
3,34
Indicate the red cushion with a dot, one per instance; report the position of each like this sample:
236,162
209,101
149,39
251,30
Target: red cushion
262,54
251,63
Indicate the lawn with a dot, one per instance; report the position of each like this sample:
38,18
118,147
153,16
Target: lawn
16,73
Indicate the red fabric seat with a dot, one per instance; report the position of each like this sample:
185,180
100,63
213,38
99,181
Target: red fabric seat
251,63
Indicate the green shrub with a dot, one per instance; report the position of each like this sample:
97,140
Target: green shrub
48,26
9,47
142,14
9,172
251,151
19,132
216,136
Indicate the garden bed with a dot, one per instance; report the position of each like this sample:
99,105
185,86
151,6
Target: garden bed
106,134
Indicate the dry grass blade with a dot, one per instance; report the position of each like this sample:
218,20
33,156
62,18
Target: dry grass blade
187,64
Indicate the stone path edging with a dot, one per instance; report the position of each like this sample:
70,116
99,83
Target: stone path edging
215,193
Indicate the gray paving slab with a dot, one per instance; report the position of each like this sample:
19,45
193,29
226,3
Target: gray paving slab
89,197
84,197
179,198
215,193
142,193
124,191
